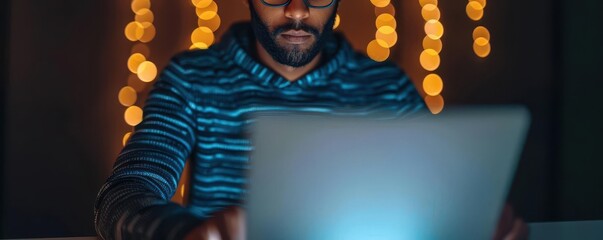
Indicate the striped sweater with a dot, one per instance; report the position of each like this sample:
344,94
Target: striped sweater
197,110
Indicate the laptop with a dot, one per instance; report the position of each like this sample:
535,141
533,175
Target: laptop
327,177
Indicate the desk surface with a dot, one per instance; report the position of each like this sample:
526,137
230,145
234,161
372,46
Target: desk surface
584,230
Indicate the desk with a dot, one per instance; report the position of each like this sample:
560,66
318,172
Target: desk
583,230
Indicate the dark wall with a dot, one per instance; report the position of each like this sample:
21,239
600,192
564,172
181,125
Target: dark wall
580,169
54,127
4,30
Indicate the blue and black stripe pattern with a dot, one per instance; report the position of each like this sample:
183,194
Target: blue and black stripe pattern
197,110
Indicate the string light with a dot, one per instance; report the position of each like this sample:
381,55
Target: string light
141,31
430,56
386,36
481,35
208,23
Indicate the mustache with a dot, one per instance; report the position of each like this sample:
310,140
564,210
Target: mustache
296,26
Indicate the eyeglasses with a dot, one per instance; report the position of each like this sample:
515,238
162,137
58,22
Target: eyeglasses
309,3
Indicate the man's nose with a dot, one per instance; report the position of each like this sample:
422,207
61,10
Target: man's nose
297,10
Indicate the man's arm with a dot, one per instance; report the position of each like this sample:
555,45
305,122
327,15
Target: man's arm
134,201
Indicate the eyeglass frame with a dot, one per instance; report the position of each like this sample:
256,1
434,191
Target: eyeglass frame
289,1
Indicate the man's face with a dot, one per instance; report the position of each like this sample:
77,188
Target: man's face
294,34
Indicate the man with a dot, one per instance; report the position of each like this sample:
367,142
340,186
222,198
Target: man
286,58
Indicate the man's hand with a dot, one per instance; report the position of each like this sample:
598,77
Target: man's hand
228,224
510,227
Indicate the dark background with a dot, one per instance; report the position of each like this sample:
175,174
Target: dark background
63,62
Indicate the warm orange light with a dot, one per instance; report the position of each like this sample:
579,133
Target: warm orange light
126,138
475,10
212,24
433,84
140,4
133,115
134,31
430,11
480,41
380,3
144,15
202,37
385,19
482,2
182,189
435,103
386,36
429,59
134,61
149,32
429,43
147,71
208,12
376,52
481,32
337,20
483,50
201,3
389,9
425,2
434,29
136,83
127,96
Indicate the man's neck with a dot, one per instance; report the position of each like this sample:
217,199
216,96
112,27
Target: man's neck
288,72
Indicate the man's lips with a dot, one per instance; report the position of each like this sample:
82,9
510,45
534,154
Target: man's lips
296,37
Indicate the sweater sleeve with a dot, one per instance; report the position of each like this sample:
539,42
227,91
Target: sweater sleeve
134,202
409,99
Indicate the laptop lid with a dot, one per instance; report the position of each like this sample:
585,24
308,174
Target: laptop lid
429,176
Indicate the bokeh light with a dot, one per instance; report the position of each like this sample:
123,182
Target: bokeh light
380,3
425,2
201,3
430,11
482,32
482,2
213,24
433,84
386,36
127,96
140,4
481,50
202,37
144,15
133,115
385,19
126,138
134,61
208,12
435,103
434,29
376,51
429,43
149,32
429,59
337,20
475,10
147,71
134,31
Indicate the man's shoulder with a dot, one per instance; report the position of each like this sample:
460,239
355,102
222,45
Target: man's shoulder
198,58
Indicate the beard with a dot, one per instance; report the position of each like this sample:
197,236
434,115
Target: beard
295,56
